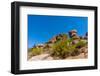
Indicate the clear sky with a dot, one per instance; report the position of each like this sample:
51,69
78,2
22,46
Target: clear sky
42,28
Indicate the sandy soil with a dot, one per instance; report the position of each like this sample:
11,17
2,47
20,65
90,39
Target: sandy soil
41,57
48,57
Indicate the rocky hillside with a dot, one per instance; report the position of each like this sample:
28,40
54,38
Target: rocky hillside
61,46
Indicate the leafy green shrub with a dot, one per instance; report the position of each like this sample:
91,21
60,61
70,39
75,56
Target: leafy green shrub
36,51
61,49
80,44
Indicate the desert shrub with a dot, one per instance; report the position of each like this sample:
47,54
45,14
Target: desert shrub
61,49
80,44
36,51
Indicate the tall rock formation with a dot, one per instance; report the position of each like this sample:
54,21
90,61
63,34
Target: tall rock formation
74,36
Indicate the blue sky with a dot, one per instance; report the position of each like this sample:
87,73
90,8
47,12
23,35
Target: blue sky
42,28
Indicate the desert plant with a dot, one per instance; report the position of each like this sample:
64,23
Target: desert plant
36,51
61,49
80,44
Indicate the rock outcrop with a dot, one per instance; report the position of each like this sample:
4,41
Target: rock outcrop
74,36
57,38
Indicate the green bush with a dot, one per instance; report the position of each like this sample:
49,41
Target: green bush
80,44
37,51
61,49
34,52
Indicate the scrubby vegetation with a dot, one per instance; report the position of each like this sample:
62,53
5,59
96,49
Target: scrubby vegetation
63,49
60,46
35,51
